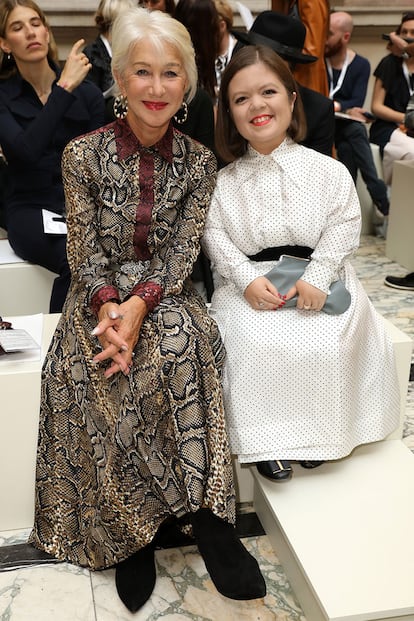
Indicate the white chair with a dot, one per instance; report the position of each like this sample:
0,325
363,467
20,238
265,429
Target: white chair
400,245
25,288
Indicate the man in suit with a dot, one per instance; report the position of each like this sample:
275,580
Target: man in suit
286,35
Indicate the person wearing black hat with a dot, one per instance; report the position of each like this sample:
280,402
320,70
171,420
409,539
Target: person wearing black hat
286,35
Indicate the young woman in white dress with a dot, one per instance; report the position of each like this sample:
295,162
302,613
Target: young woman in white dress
299,384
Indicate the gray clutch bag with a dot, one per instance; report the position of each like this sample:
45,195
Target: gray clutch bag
290,269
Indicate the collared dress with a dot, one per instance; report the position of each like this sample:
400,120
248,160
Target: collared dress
298,384
117,457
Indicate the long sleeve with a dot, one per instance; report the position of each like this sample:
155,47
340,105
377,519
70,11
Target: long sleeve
102,193
26,141
292,197
354,87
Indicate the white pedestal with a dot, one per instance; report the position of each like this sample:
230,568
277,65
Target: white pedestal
343,533
20,396
24,288
402,345
400,243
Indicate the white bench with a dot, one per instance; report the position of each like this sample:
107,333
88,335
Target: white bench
342,532
399,246
20,395
24,288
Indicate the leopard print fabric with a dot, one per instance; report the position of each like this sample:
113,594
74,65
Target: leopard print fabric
117,457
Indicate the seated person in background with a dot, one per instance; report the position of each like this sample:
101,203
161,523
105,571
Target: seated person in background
201,19
298,384
400,47
227,40
132,434
166,6
394,85
99,51
286,35
348,75
41,109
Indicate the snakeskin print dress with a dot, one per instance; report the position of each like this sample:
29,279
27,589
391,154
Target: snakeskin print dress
117,457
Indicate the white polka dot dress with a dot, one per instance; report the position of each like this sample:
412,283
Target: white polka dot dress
297,384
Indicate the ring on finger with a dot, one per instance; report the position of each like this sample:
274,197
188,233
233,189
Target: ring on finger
261,304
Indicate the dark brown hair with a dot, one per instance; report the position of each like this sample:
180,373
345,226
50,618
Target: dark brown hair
407,17
229,143
7,65
201,19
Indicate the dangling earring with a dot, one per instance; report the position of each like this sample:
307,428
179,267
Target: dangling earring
121,107
9,56
181,115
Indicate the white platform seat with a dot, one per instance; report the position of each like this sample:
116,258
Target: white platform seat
343,534
399,246
367,207
20,395
25,288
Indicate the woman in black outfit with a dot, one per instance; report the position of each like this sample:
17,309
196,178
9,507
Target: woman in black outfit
41,110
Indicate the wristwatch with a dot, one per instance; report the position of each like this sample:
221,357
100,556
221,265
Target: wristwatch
405,54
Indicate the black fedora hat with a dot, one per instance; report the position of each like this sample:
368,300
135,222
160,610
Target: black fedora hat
283,33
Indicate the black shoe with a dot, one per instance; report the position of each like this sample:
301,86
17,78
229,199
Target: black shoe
233,570
278,470
382,208
311,463
405,282
135,578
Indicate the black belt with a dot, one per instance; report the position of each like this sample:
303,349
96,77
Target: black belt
273,254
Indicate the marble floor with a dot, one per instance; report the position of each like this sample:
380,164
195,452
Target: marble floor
184,591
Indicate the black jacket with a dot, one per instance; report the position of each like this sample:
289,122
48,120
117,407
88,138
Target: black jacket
320,120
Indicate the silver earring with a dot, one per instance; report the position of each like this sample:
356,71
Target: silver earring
181,115
121,107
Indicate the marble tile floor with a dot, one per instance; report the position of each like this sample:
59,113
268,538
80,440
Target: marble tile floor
184,591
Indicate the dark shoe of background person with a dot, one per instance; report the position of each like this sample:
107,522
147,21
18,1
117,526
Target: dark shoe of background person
277,470
233,570
382,208
405,282
135,578
311,463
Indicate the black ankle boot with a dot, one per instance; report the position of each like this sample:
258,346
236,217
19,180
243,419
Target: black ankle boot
234,571
135,578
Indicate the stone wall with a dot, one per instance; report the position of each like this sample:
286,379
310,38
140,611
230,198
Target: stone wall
74,19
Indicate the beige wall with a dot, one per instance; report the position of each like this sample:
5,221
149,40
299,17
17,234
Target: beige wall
73,19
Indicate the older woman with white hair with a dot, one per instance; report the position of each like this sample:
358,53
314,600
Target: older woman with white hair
132,434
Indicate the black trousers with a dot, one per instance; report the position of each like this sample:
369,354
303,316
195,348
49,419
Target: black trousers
28,240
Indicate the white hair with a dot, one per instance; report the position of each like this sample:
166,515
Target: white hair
160,29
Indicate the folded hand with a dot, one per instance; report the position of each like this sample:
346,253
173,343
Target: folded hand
118,332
